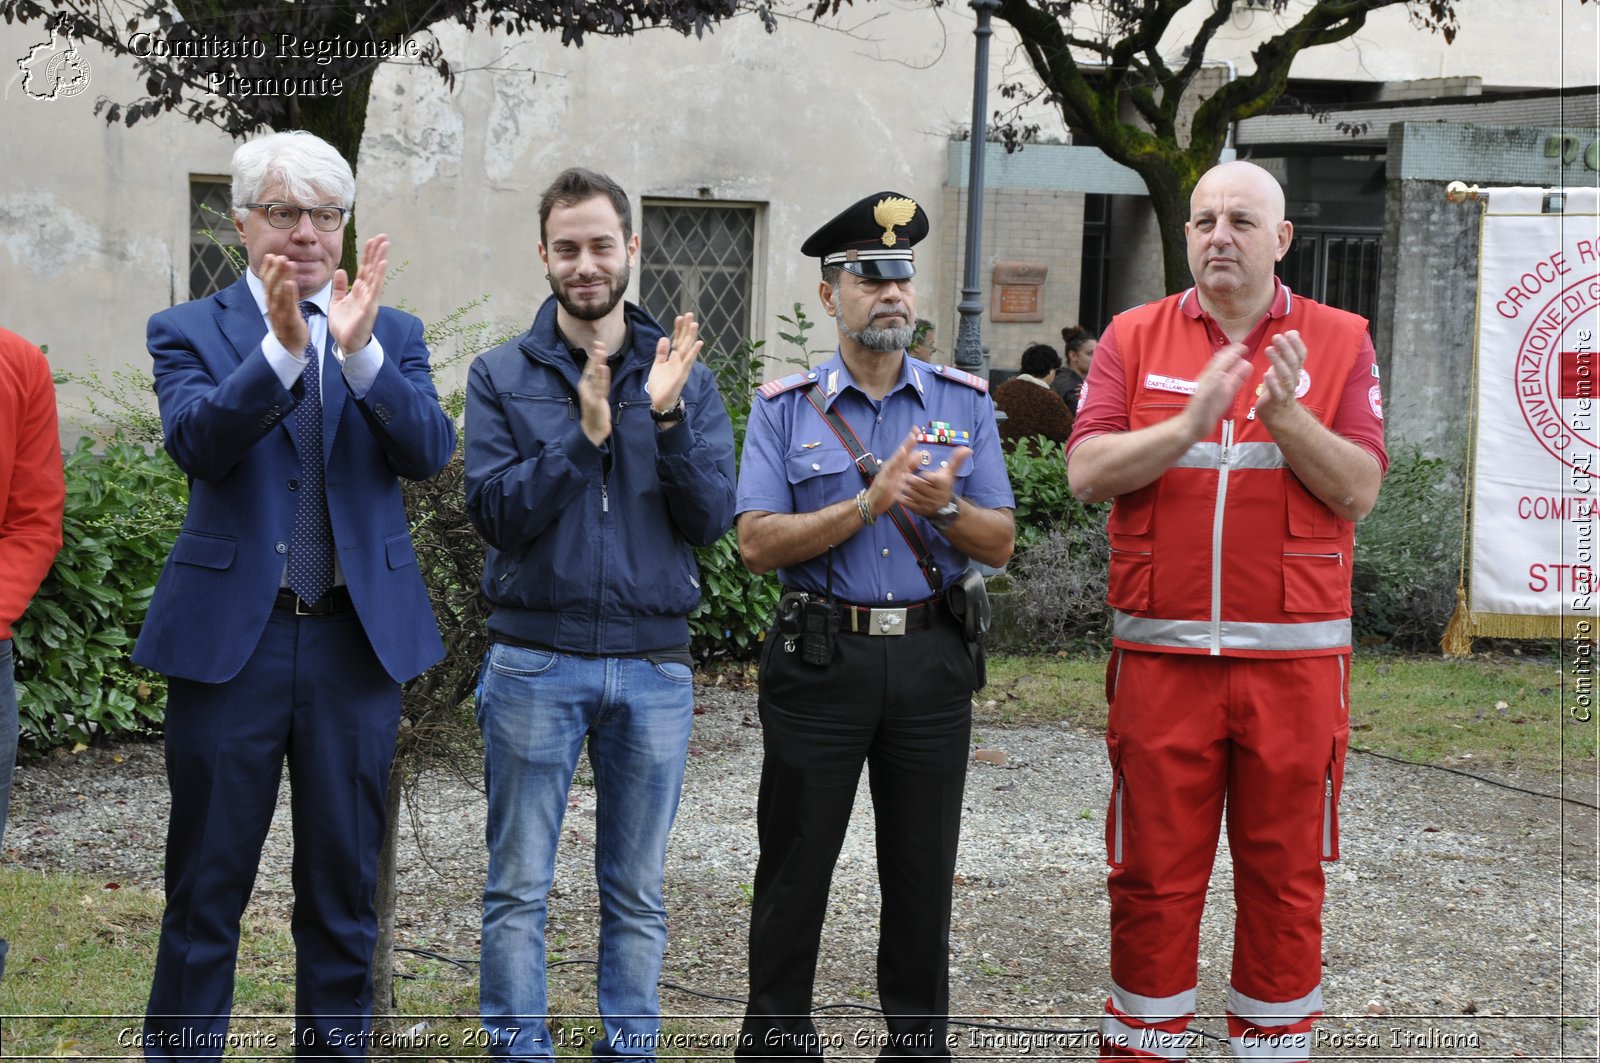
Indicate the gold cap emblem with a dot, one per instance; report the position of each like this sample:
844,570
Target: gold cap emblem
892,211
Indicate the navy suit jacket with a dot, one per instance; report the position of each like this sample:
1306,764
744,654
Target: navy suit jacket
228,421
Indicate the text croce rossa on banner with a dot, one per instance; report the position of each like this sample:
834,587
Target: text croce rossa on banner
1533,480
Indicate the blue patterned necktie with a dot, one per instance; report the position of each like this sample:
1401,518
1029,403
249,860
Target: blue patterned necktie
311,550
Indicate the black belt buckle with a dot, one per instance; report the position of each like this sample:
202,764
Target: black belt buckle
336,600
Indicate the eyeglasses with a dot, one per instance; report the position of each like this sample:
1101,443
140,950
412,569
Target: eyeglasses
287,216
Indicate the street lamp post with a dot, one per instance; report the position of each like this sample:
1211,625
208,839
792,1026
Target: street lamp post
969,335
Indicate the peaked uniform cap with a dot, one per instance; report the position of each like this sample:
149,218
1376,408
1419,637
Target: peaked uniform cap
872,237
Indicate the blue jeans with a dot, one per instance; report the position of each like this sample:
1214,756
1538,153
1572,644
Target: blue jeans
536,710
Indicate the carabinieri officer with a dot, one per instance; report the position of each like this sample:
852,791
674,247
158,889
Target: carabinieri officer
867,483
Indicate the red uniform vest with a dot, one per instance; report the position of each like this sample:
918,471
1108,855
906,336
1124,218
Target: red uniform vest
1227,552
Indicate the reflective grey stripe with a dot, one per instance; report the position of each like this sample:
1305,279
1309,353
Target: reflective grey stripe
1269,1013
1116,828
1327,815
1214,641
1153,1009
1240,456
1231,634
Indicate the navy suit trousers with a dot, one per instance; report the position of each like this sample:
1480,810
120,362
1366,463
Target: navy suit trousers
314,693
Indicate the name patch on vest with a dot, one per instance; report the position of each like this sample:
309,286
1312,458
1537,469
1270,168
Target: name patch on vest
1157,382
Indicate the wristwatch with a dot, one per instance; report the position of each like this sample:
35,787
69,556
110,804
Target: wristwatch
946,514
671,416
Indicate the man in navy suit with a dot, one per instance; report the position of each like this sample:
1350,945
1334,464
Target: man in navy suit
291,608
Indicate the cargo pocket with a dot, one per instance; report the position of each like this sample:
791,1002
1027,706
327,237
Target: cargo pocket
1129,579
1315,581
1114,832
1132,568
1308,516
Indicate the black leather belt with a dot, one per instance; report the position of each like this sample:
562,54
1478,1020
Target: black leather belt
337,600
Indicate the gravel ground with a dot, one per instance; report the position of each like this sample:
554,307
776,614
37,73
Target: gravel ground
1461,919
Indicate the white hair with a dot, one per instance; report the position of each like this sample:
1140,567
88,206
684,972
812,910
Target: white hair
310,169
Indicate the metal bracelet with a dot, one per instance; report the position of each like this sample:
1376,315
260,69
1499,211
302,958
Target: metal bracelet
867,516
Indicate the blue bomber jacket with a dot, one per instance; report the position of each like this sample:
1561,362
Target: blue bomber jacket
591,548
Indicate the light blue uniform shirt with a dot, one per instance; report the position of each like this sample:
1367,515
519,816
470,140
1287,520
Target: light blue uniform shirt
794,463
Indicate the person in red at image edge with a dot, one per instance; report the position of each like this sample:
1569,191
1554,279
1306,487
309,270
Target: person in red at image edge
1238,426
30,518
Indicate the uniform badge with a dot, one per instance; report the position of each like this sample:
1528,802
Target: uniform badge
1375,400
1176,385
891,211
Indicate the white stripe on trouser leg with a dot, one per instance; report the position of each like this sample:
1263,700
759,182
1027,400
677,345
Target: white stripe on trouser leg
1144,1039
1153,1009
1269,1013
1280,1047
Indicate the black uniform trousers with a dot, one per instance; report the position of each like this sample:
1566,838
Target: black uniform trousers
903,705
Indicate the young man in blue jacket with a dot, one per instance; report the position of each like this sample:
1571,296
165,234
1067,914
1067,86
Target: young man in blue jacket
598,456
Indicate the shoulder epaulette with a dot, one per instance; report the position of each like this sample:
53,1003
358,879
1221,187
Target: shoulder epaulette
961,376
773,388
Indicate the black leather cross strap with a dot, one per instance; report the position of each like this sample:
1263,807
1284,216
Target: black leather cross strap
868,467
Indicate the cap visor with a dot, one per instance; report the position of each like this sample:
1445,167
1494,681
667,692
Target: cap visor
882,269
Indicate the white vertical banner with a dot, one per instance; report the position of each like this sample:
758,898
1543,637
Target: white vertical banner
1535,477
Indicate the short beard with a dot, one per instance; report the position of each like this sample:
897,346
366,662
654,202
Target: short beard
893,338
618,283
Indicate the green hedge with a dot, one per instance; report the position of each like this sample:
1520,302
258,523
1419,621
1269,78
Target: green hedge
75,683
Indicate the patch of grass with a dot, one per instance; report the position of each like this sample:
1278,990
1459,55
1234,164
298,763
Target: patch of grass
1494,711
82,955
1030,691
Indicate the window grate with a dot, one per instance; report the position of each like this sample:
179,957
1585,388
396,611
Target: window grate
701,258
211,268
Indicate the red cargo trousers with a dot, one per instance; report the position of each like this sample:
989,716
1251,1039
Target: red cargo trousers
1193,739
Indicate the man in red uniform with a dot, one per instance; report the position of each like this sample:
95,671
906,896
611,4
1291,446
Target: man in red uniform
1239,428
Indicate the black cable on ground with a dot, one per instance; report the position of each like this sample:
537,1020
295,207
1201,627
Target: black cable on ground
1476,778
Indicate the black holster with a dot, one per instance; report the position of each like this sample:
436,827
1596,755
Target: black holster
968,599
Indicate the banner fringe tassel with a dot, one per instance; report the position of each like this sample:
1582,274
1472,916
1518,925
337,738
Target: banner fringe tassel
1457,641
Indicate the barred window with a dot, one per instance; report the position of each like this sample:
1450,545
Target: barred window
211,233
701,257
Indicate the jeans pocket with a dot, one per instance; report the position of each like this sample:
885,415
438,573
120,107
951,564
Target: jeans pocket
510,660
674,671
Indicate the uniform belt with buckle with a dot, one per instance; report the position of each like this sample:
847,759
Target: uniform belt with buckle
887,620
